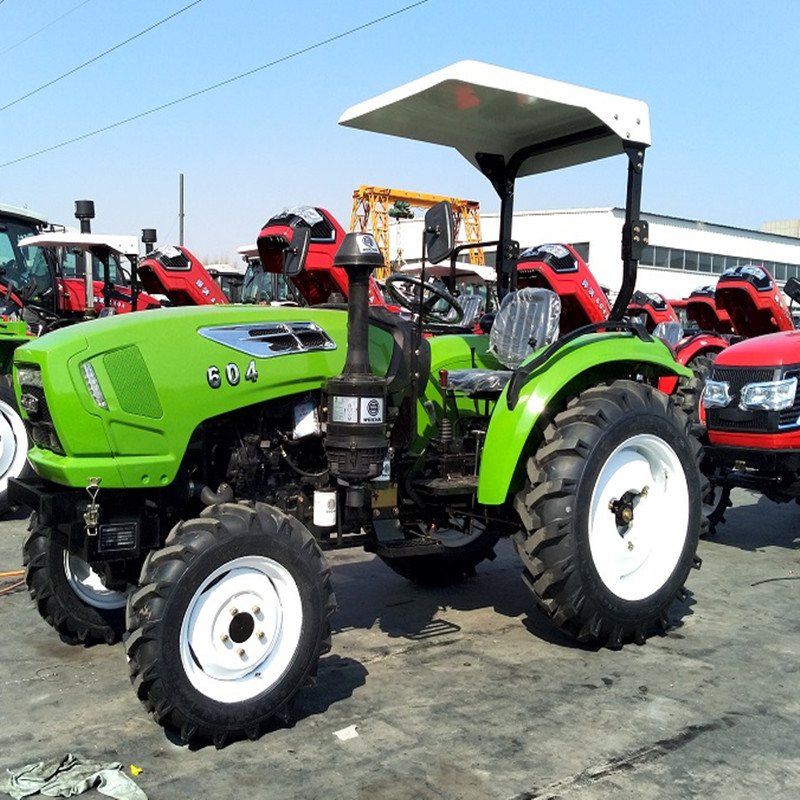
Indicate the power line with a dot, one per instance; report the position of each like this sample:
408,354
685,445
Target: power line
49,25
97,58
280,60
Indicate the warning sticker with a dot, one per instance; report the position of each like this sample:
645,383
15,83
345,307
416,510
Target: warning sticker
345,409
360,410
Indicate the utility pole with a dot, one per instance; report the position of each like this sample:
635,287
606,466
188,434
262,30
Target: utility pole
180,210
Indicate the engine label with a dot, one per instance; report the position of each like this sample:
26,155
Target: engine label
357,410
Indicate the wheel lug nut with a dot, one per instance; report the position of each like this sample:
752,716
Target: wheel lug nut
256,609
223,637
234,611
260,634
240,651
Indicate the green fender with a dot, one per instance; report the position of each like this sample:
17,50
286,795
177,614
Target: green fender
620,354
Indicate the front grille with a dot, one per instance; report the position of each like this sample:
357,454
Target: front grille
39,423
132,382
322,231
738,376
757,421
174,259
732,418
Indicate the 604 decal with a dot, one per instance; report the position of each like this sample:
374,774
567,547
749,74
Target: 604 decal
232,373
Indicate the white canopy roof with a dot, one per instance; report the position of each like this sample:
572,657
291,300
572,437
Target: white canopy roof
468,273
248,250
23,213
479,108
120,244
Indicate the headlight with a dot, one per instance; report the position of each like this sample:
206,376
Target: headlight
29,376
93,385
769,395
716,394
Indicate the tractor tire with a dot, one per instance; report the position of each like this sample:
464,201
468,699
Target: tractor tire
14,442
230,621
689,390
467,544
717,497
69,595
601,578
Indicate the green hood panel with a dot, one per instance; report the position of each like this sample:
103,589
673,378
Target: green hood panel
164,372
620,354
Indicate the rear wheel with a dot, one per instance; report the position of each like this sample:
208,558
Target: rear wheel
611,514
689,390
467,541
717,499
13,441
69,594
230,622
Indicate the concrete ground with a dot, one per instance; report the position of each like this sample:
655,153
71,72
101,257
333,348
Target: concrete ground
467,693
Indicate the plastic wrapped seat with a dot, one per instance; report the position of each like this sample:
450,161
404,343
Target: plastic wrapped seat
526,321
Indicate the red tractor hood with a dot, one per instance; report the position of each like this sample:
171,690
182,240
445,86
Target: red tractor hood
770,350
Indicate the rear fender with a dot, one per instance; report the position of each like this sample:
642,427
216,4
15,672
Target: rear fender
569,371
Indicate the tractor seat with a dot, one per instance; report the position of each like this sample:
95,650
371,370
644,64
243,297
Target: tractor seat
526,321
471,307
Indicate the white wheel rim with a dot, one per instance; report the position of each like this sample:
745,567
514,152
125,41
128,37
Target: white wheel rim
88,587
13,445
241,629
636,563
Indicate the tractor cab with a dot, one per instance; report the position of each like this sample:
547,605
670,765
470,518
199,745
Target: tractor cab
94,274
27,273
751,298
264,288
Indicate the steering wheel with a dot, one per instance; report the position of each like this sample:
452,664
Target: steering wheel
406,291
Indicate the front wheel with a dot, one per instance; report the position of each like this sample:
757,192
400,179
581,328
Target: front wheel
69,594
230,622
612,513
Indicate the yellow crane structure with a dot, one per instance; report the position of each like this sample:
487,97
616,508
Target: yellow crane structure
371,214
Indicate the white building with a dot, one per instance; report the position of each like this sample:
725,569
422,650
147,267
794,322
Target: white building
681,256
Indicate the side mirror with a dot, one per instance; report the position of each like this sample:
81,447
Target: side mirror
294,257
792,289
439,235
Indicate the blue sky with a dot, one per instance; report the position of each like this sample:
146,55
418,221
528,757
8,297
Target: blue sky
720,79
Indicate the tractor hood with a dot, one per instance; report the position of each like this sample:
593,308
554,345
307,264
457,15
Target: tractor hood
771,350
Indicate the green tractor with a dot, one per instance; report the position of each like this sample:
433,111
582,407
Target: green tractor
198,463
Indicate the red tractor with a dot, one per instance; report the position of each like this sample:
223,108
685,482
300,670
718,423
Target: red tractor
703,311
561,268
750,406
308,238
